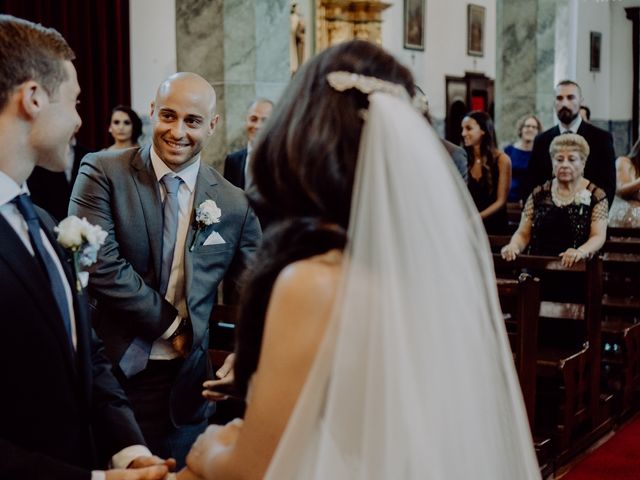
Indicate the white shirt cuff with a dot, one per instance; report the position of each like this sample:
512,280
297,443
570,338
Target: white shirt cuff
125,456
172,328
98,475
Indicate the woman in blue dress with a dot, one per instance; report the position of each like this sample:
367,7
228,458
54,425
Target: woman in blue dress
520,152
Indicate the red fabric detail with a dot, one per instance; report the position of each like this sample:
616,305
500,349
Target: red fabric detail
98,33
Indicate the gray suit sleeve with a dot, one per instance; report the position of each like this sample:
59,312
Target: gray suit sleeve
249,240
113,279
460,159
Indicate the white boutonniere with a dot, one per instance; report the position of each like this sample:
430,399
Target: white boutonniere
207,214
583,197
83,240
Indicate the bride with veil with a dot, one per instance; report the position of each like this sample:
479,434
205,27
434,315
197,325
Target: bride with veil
371,343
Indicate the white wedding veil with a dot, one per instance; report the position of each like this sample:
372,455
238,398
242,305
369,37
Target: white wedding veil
415,378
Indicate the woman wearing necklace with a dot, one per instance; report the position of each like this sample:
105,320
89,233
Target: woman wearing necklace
566,216
489,171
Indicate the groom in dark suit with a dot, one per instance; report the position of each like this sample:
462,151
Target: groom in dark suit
157,275
236,165
600,167
62,412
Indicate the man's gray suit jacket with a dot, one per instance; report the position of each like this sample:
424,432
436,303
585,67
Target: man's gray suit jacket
119,191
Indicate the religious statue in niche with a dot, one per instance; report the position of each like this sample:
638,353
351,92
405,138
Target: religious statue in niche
296,38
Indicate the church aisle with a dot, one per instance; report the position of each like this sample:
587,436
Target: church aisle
615,459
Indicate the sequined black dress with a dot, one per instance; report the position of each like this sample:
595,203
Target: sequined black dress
557,228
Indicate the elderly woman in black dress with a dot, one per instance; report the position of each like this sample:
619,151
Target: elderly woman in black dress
565,216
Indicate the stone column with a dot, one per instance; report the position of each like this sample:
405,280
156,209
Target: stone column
242,48
527,35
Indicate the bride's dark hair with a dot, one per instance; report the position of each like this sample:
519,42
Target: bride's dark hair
303,168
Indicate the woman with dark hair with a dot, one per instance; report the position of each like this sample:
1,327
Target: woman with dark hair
528,126
125,127
489,171
354,311
625,208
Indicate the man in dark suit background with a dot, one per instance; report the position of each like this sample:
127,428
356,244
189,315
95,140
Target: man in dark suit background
157,275
600,168
236,165
61,411
52,190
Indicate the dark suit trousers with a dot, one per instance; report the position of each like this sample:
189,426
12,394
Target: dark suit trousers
149,392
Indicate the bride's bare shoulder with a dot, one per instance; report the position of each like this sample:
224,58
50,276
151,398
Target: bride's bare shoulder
310,283
317,272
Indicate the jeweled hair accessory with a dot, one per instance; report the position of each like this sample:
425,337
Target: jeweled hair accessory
342,81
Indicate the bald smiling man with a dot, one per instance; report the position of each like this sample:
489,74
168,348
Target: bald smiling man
157,275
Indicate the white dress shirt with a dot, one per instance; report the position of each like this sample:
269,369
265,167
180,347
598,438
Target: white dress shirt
176,296
573,127
9,189
248,180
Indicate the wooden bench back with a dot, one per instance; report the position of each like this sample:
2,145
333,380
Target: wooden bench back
585,315
520,301
222,327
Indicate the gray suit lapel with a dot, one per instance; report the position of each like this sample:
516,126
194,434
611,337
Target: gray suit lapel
205,189
147,185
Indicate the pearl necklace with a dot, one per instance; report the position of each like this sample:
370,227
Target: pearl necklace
559,199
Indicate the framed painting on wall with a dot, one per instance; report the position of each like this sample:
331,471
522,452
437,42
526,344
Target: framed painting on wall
414,24
594,49
475,30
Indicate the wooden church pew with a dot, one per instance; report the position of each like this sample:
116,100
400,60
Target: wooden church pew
520,300
221,343
568,404
621,320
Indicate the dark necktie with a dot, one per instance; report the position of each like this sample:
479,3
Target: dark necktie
23,202
136,357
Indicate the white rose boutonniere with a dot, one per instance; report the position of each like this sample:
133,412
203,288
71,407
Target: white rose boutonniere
83,240
207,214
583,197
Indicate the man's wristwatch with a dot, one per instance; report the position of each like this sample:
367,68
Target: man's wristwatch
182,326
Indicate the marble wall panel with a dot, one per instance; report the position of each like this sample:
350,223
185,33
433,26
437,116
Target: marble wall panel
528,54
545,38
241,47
239,41
622,135
200,49
242,95
516,64
272,41
200,38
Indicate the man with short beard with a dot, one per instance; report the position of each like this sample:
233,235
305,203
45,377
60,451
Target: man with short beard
600,168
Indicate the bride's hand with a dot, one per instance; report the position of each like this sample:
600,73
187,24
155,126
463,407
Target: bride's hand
215,440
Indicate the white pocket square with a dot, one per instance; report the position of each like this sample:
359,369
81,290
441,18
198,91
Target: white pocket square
214,239
84,279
